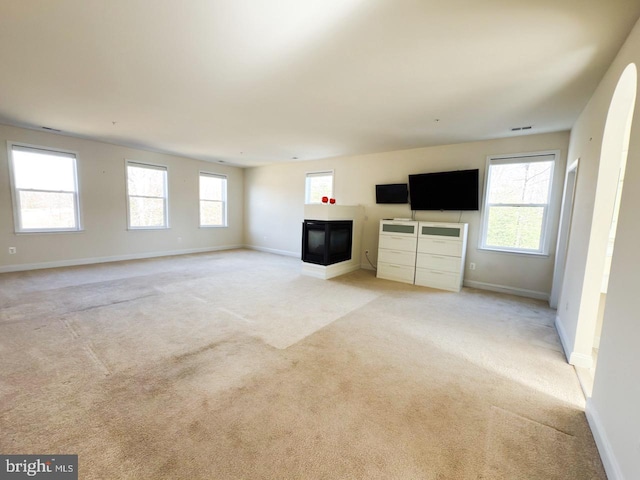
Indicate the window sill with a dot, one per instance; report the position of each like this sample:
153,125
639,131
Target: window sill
214,226
143,229
47,232
514,252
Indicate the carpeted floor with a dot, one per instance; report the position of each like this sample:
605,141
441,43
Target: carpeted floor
232,365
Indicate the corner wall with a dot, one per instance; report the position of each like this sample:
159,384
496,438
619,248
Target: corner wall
101,179
613,409
274,204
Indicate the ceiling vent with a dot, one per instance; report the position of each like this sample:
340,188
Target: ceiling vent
49,129
516,129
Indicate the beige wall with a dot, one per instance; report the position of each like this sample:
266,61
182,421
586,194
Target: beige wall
613,409
101,178
274,203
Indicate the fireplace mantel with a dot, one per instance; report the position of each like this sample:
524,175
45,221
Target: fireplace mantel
333,212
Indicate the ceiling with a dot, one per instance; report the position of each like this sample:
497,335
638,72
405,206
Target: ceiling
252,82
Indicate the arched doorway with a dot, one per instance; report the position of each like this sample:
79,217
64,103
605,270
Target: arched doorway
613,158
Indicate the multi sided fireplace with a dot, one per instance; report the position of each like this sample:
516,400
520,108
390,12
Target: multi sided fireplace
325,242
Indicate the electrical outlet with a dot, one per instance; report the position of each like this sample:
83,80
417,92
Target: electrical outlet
472,266
12,250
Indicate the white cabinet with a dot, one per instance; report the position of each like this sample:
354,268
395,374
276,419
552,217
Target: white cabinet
397,245
429,254
441,254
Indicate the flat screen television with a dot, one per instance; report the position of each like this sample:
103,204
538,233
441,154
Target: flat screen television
457,190
392,193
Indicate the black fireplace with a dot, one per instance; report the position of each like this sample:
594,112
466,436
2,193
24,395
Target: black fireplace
326,242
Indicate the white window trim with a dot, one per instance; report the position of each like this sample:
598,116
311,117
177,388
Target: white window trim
321,173
155,166
546,220
225,222
16,199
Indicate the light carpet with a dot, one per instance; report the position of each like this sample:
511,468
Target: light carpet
233,365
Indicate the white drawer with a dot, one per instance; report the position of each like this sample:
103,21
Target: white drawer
442,230
397,257
406,229
439,262
440,247
393,242
398,273
437,279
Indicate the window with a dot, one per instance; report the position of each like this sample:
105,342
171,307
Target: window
516,207
213,200
318,185
147,195
45,189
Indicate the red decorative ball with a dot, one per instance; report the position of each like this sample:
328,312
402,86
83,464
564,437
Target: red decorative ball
332,201
325,199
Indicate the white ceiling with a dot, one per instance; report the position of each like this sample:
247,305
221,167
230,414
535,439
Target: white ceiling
251,82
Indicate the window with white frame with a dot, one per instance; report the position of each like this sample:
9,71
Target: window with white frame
516,208
45,189
213,200
318,185
147,195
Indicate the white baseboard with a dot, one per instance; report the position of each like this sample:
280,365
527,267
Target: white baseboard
581,360
521,292
275,251
609,461
114,258
574,358
563,338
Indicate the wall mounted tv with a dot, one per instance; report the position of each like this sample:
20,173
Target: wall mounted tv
392,193
457,190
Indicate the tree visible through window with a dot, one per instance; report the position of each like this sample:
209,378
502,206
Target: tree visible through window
147,195
45,189
517,197
318,185
213,200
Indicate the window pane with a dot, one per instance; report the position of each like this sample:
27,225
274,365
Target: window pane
211,188
522,183
211,213
146,212
148,182
318,187
515,227
46,210
43,171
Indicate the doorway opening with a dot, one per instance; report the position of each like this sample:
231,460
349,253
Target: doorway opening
566,214
613,159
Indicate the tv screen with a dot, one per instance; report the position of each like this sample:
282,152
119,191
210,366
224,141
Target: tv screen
456,190
392,193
